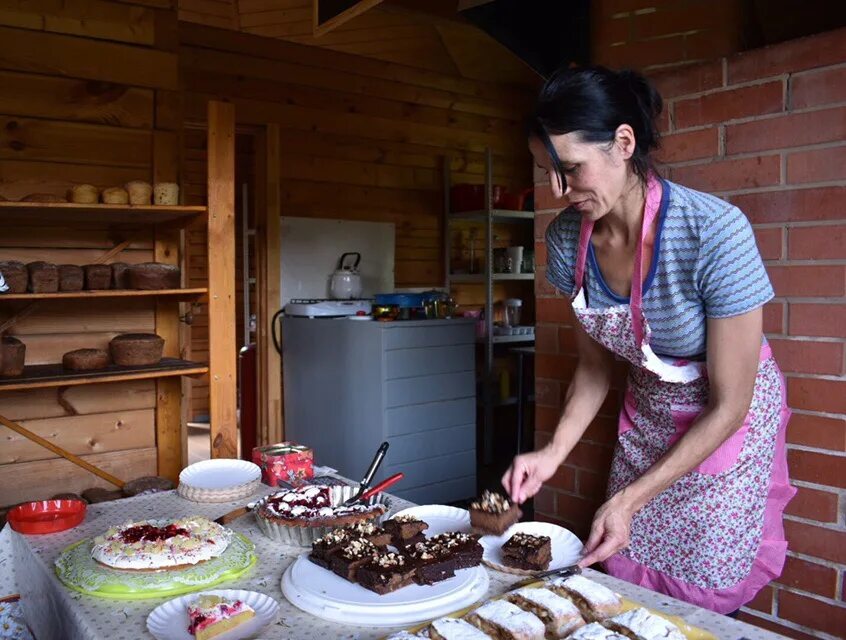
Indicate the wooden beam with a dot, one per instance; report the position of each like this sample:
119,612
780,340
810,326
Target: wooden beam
221,256
344,16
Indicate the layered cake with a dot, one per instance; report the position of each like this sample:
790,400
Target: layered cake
438,558
405,531
210,616
493,513
525,551
641,624
156,545
385,572
346,560
455,629
560,616
595,601
505,621
311,506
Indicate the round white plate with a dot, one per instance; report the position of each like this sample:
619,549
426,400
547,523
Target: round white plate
566,546
321,593
440,518
169,621
220,474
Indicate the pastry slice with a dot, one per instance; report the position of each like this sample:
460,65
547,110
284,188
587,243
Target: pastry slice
503,620
525,551
641,624
455,629
560,615
493,513
210,616
595,631
595,601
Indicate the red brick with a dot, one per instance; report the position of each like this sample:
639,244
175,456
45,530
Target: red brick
712,43
564,479
646,53
543,287
663,120
774,317
817,243
541,437
769,242
728,175
818,165
608,8
546,338
813,505
547,393
545,200
793,130
608,32
829,617
602,430
546,419
792,205
567,340
554,367
576,510
540,254
689,80
545,517
594,457
763,601
592,485
813,280
795,55
545,501
690,145
730,104
819,468
542,221
683,18
817,87
806,356
813,394
558,310
787,632
817,431
818,542
823,320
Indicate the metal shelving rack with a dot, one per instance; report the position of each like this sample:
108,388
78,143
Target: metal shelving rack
488,216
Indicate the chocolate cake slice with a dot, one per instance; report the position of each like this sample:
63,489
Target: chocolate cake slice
346,560
525,551
405,528
432,562
493,513
385,572
464,547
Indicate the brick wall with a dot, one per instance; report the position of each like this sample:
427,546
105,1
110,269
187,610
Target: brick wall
765,130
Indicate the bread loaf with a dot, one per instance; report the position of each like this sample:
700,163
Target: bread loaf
120,275
98,276
15,274
12,357
85,359
166,193
139,192
43,197
43,277
71,277
115,195
136,349
154,275
84,194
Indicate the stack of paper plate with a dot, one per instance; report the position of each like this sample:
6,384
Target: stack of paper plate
221,480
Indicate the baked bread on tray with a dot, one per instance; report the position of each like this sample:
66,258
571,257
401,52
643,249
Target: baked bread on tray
503,620
560,616
595,601
454,629
595,631
641,624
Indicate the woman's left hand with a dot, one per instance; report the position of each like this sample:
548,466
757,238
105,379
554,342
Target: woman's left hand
609,532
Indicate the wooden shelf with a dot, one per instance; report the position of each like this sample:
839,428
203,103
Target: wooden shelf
498,215
53,375
526,337
62,212
470,278
178,294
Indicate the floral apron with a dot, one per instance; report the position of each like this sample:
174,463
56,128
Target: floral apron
715,537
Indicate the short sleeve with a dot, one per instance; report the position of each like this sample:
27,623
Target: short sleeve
561,244
730,272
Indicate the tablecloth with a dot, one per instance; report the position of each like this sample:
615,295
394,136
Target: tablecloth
56,613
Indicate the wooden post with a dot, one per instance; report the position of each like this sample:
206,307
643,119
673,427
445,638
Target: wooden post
221,255
268,243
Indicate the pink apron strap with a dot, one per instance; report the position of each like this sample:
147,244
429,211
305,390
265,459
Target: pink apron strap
653,204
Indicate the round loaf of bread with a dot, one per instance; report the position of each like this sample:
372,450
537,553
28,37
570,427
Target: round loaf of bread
43,197
115,195
120,275
12,357
98,276
71,277
136,349
43,277
140,192
15,275
166,193
154,275
84,194
85,359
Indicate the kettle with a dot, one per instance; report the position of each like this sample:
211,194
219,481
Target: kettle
345,283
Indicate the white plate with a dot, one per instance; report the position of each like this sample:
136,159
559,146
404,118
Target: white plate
440,518
566,546
321,593
220,474
169,621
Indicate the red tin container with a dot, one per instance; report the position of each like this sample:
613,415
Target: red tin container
284,462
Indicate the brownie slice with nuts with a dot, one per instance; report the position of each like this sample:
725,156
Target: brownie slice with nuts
405,530
525,551
464,547
432,562
352,555
385,572
493,513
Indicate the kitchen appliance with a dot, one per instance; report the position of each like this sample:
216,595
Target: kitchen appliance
412,306
317,308
512,312
345,282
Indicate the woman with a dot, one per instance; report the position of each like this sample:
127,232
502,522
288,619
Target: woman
669,279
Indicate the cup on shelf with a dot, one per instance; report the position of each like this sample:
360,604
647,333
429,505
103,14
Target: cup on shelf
515,256
512,312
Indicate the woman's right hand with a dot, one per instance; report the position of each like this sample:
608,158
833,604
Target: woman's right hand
529,471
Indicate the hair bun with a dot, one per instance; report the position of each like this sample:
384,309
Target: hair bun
649,102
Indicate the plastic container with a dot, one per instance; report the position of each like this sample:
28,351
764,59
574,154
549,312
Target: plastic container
513,307
46,516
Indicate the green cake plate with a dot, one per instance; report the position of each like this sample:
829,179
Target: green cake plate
79,571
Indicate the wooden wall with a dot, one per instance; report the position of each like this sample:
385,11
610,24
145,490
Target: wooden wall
361,139
88,96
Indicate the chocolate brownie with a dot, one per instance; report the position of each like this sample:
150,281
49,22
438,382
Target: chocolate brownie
385,572
323,548
525,551
410,543
376,535
493,513
404,528
346,560
464,547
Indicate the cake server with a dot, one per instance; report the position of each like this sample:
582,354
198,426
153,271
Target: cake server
371,471
387,482
563,572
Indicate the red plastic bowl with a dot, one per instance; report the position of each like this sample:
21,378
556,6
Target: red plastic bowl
46,516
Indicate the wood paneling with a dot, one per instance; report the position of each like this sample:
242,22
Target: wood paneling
78,400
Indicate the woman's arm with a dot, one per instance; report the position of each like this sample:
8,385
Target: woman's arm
585,396
732,351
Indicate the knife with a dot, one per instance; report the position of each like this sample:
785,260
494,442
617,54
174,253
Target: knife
563,572
371,471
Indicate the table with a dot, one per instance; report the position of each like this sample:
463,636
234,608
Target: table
54,612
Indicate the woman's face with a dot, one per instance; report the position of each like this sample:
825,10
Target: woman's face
596,174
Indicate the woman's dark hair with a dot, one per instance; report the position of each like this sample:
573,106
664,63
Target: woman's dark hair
594,101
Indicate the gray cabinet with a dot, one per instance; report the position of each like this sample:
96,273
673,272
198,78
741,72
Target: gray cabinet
351,384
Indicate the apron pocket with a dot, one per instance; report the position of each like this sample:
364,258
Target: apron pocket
726,454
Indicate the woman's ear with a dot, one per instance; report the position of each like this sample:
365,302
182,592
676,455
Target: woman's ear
625,141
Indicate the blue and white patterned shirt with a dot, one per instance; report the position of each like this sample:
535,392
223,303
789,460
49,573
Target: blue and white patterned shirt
705,265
